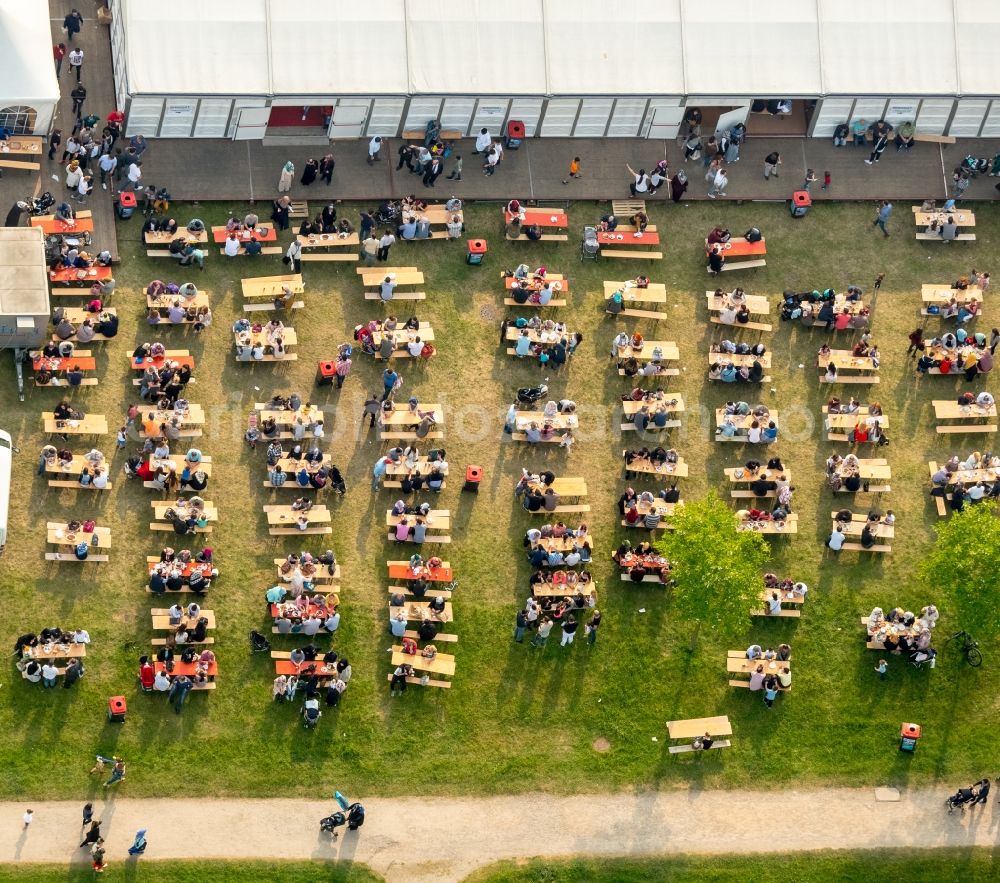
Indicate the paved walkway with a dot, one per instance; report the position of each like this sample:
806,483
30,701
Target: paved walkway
398,842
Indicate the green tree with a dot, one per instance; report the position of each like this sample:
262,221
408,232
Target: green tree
964,564
716,568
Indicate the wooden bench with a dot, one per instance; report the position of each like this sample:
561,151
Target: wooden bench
670,424
294,531
67,556
63,384
162,642
418,682
857,547
626,208
576,507
642,314
447,639
19,164
930,237
545,237
793,612
268,357
298,208
329,256
54,482
397,295
740,265
648,578
746,685
684,749
432,590
269,249
628,253
752,326
430,538
934,139
983,427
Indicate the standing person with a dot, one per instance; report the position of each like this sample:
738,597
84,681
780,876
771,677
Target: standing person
93,835
106,164
569,628
369,249
326,166
371,410
374,146
574,169
542,635
138,846
84,188
55,139
179,689
770,692
640,183
884,211
879,142
678,186
88,815
483,142
520,624
293,256
390,379
456,171
592,626
384,244
285,178
810,179
406,154
117,775
827,185
343,368
79,95
59,53
72,24
27,817
719,183
771,163
76,61
432,172
882,668
878,281
309,172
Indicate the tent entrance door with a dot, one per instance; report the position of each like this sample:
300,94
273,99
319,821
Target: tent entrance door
349,120
251,123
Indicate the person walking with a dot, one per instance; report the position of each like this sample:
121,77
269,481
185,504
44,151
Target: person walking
882,668
374,147
882,220
771,163
59,53
88,815
878,146
93,835
79,95
592,626
390,380
719,184
342,369
568,631
678,186
285,178
179,689
640,182
76,61
384,244
326,167
456,171
106,165
117,775
810,179
574,170
542,635
55,139
72,24
371,409
293,256
432,173
309,172
27,818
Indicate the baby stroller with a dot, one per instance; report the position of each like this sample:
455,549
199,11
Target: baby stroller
331,823
960,799
258,643
973,165
388,213
920,658
590,247
528,395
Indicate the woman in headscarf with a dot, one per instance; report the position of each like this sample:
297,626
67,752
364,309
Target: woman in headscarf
285,181
678,184
309,172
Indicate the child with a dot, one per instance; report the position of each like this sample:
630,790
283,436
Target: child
456,172
810,177
878,281
881,668
826,181
574,169
122,439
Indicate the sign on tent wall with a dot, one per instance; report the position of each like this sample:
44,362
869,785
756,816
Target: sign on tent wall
491,113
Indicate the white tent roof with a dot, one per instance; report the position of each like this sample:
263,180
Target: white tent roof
756,48
26,74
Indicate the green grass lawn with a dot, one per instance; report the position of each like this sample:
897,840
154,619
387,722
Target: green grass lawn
827,866
146,871
515,719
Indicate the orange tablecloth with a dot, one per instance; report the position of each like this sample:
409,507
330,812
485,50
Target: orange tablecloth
188,668
542,219
741,248
94,274
159,363
261,234
625,239
55,363
287,667
80,225
403,571
188,569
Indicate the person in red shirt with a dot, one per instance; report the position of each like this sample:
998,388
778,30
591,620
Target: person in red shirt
116,117
59,53
147,674
945,366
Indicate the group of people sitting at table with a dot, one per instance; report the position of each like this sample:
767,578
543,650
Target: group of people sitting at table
73,257
313,680
553,344
390,340
532,287
955,352
254,340
901,631
761,430
430,474
94,472
767,480
655,410
177,569
542,554
411,529
304,614
657,458
869,532
630,503
844,473
725,369
563,584
966,490
770,682
640,560
163,473
165,383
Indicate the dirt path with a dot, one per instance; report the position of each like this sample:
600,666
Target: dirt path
400,841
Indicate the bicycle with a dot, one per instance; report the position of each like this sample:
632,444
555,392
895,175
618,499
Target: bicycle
969,647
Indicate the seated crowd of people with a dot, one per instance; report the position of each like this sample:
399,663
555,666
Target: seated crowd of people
532,287
725,368
392,336
254,340
658,458
177,569
413,522
644,509
556,545
430,473
641,560
869,532
94,472
901,631
655,410
45,668
546,340
957,352
761,429
980,481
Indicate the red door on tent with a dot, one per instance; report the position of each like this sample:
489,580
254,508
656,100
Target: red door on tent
289,116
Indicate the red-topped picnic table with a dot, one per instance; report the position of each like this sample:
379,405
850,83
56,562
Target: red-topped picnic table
432,574
261,234
160,361
290,608
50,224
187,568
57,363
322,669
541,217
89,276
188,668
626,239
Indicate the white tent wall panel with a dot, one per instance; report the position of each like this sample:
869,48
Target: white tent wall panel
592,121
626,121
238,105
933,116
830,113
560,117
662,114
868,109
421,110
968,118
213,117
991,126
977,33
457,113
144,116
349,118
529,112
178,117
491,113
385,116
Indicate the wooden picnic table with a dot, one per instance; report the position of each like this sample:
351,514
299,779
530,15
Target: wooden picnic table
329,240
161,620
271,286
59,534
563,544
654,293
287,335
49,224
692,729
671,402
438,519
402,570
533,285
91,424
262,233
194,416
747,478
742,665
961,217
52,652
372,277
80,275
435,213
162,237
563,590
565,486
790,525
541,217
76,315
160,508
285,516
969,417
22,145
59,363
401,336
756,303
849,421
625,239
321,670
741,360
854,367
743,421
931,293
177,463
670,352
75,467
556,421
163,301
308,412
739,247
406,417
857,524
870,470
441,664
417,610
663,470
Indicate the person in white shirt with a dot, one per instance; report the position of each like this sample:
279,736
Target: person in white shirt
232,247
100,479
483,141
76,62
984,400
161,682
374,146
754,433
641,182
81,636
415,347
384,244
492,159
49,674
836,540
134,176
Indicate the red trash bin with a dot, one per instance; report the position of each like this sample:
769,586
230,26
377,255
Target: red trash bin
473,475
476,251
116,709
325,372
515,134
